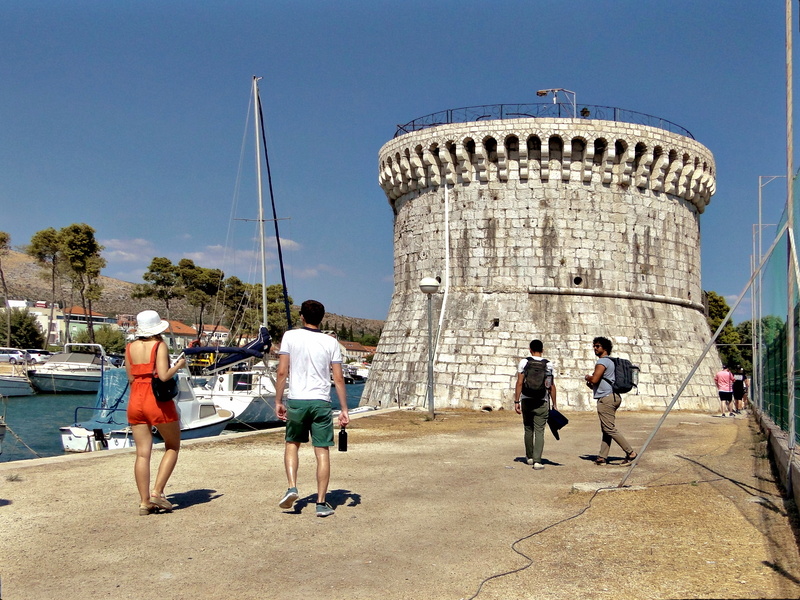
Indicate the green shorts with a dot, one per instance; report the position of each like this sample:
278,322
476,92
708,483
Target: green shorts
315,416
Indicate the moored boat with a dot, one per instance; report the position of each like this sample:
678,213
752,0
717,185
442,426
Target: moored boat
249,395
105,426
71,371
14,381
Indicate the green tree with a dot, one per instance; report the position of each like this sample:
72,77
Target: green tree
45,248
21,329
200,286
276,312
81,252
729,339
235,298
163,283
368,339
110,338
771,328
5,247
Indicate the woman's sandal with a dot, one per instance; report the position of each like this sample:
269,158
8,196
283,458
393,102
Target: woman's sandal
600,460
629,458
161,502
147,509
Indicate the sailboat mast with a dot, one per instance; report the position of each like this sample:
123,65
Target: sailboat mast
261,236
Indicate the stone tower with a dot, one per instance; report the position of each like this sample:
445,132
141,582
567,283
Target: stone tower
561,229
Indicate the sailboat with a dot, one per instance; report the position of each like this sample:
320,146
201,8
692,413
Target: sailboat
249,394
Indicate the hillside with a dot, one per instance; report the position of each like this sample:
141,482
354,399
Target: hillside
27,281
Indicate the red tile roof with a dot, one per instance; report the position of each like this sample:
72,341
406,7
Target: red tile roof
78,310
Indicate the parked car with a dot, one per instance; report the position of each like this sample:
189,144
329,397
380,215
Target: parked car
37,355
14,356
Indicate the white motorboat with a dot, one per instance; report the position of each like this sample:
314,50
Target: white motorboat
106,424
71,371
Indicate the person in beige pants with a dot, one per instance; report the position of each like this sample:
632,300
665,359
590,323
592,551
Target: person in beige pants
601,381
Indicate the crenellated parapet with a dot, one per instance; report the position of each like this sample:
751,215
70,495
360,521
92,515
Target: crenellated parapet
542,151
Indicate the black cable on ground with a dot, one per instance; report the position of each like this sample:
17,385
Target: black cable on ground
522,539
575,516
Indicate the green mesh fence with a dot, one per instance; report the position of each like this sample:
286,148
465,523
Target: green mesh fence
770,383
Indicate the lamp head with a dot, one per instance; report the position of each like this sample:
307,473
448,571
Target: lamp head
429,285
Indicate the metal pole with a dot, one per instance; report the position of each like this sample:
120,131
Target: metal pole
758,365
262,248
790,331
430,358
753,327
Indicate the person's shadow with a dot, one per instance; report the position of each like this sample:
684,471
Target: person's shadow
335,498
545,461
181,500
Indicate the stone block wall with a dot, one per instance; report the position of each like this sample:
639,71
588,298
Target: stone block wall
557,229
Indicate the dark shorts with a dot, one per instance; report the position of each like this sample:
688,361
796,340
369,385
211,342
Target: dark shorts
309,416
725,396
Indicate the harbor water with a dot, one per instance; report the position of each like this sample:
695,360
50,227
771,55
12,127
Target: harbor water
34,421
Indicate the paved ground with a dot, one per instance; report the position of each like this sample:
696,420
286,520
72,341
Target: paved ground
442,509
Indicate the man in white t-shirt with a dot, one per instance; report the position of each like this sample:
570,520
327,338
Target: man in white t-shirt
310,356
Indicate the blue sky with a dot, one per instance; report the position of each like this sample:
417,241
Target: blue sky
131,117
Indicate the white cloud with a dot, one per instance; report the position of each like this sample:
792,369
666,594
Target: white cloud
316,271
132,250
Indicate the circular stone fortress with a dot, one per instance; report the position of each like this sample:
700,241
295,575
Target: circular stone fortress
541,226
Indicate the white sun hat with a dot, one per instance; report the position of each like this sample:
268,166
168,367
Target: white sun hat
149,323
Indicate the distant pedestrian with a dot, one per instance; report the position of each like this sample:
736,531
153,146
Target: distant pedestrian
740,385
724,381
532,401
145,358
601,381
308,358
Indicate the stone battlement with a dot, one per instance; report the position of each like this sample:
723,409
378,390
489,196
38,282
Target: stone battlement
538,151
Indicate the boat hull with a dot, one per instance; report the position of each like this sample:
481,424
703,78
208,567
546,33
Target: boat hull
65,383
15,386
249,395
80,439
245,408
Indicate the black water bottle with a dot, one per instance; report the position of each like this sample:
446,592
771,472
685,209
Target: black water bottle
343,439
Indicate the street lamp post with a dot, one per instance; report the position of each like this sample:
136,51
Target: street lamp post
570,96
758,366
430,286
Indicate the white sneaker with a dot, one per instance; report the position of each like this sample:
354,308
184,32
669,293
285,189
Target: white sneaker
529,461
538,466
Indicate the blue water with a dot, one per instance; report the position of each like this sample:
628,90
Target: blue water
36,421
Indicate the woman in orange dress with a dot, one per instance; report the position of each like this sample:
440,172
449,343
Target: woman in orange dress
147,357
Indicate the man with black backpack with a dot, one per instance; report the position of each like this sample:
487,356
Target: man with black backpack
603,383
534,387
